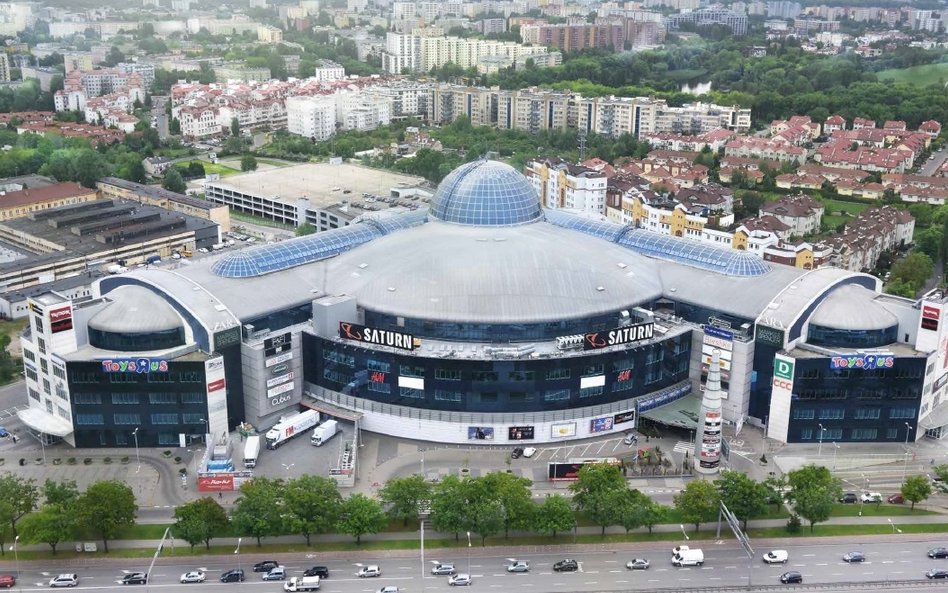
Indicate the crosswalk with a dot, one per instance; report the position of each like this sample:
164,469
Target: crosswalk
684,447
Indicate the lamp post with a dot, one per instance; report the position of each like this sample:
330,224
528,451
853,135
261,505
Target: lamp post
822,430
237,553
835,449
286,467
894,528
422,554
16,559
683,532
207,431
908,431
138,458
468,552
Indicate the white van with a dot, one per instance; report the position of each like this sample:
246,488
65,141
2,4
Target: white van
690,557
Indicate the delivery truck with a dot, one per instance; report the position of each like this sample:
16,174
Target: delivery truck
691,557
301,584
324,432
289,427
251,451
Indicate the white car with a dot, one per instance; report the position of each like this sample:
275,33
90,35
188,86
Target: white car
64,580
678,550
371,570
871,497
389,589
460,580
195,576
776,557
529,451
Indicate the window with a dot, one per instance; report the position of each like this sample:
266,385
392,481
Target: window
556,395
339,358
448,396
592,370
806,434
31,374
121,438
867,414
832,414
33,393
863,434
522,376
86,398
377,365
379,387
163,398
556,374
125,398
833,434
192,418
481,376
46,387
60,391
901,413
590,392
44,366
487,396
167,438
892,433
413,393
41,344
90,419
29,355
410,370
127,419
158,378
448,374
804,414
63,412
192,397
164,419
59,372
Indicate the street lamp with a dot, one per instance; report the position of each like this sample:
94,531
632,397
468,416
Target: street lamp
16,558
287,466
908,431
137,456
240,574
894,528
683,533
468,553
207,430
822,430
835,449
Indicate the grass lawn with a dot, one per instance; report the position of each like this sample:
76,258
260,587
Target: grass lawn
831,530
918,75
853,208
214,168
274,162
879,510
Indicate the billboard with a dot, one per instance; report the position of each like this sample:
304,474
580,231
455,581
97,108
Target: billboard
623,417
135,365
480,433
862,361
563,430
277,344
520,433
377,337
220,483
60,319
620,335
600,424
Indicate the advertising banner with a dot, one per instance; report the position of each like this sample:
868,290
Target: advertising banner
563,430
600,424
278,359
60,319
480,433
620,335
277,344
219,483
376,337
520,433
624,417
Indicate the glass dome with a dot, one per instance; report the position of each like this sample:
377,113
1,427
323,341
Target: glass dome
485,193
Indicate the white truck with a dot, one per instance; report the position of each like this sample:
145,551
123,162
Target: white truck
301,584
116,269
324,432
251,451
289,427
690,557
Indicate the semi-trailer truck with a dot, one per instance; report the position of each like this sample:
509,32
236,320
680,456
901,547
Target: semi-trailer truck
324,432
290,427
251,451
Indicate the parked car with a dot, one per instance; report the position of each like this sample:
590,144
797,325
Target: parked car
233,576
630,439
937,573
853,557
637,564
849,498
4,433
389,589
317,571
871,497
265,566
443,569
776,557
195,576
566,565
64,580
517,453
7,581
518,566
135,578
791,577
275,574
529,452
459,580
896,499
371,570
938,553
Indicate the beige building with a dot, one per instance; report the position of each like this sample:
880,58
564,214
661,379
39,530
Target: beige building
17,204
115,188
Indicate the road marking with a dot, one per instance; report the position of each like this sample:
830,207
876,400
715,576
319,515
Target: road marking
615,571
888,561
822,564
610,561
808,555
591,582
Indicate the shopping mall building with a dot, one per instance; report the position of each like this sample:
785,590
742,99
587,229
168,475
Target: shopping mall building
484,319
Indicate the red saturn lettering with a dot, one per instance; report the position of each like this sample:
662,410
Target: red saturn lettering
350,332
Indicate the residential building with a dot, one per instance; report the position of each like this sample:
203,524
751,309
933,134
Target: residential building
565,185
573,37
705,17
240,72
81,61
800,213
312,117
18,204
269,34
873,232
4,67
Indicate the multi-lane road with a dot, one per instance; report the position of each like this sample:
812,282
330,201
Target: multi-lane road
725,566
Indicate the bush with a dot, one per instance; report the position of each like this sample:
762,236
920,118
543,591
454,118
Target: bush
125,460
177,460
87,461
57,461
107,460
183,471
71,461
763,459
166,453
794,525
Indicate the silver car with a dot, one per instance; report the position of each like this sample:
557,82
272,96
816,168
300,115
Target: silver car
460,580
518,566
443,569
371,570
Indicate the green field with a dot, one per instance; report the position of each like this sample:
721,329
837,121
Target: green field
918,75
212,168
832,218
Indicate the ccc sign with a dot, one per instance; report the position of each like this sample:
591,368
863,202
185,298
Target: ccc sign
783,384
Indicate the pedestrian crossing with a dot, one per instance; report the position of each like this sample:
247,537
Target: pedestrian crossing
684,447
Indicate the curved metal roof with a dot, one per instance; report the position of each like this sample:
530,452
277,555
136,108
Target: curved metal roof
486,193
853,307
135,309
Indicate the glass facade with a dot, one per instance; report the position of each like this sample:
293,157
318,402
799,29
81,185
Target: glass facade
855,404
108,407
819,335
136,342
486,193
495,385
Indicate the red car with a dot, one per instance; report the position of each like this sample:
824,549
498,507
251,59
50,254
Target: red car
7,580
896,499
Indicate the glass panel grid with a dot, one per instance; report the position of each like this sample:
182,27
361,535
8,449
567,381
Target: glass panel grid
486,193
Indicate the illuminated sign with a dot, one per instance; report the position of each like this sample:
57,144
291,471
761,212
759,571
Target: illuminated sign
280,389
377,377
623,376
930,316
135,365
60,319
215,385
377,337
862,361
783,369
277,344
624,417
563,430
520,433
621,335
722,334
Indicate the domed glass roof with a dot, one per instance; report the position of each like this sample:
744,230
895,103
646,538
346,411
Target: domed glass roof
485,193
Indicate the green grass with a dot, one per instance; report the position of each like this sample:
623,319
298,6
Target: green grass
274,163
918,75
209,167
853,208
836,530
879,510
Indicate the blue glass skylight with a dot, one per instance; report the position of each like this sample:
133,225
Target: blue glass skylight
486,193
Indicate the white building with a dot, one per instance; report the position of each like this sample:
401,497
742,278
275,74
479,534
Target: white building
564,185
312,117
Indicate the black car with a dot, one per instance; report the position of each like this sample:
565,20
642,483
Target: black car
265,566
938,553
517,453
937,573
852,557
317,571
849,498
791,577
135,578
233,576
566,566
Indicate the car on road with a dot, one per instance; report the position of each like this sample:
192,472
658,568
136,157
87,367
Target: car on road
637,564
195,576
4,433
233,576
276,574
566,565
937,573
443,569
460,580
265,566
371,570
135,578
853,557
518,566
896,499
791,577
64,580
938,553
317,571
776,557
849,498
871,497
7,581
630,439
529,452
389,589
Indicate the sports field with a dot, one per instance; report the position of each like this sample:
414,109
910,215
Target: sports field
920,75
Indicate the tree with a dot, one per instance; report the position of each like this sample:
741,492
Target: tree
115,56
20,494
312,505
593,492
360,515
776,485
305,229
405,496
448,505
62,493
174,182
259,510
51,524
554,515
916,489
813,491
633,507
90,166
513,493
655,514
248,163
105,508
698,502
744,497
174,127
487,517
200,521
235,127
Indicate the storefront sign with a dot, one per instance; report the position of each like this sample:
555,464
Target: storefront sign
783,369
940,382
600,424
624,417
278,359
60,320
226,337
215,385
222,483
280,389
520,433
620,335
930,316
135,365
281,379
480,433
660,399
862,361
377,337
277,344
563,430
280,368
769,335
716,332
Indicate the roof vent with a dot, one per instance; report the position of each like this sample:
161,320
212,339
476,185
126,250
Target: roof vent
622,265
391,289
600,288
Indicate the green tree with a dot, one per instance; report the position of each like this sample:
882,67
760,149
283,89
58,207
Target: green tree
633,508
173,181
305,229
248,163
554,515
744,497
813,490
235,127
361,515
513,493
200,521
405,496
655,514
21,494
312,505
487,517
51,524
916,489
90,166
62,493
698,502
105,508
449,513
776,485
593,492
174,127
259,510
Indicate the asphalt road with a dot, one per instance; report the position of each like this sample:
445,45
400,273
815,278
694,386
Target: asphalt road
725,566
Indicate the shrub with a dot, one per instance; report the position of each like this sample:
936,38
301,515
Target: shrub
177,460
87,461
183,471
166,453
794,525
125,459
71,461
107,460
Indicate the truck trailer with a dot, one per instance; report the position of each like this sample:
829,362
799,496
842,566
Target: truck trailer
251,451
290,427
324,432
